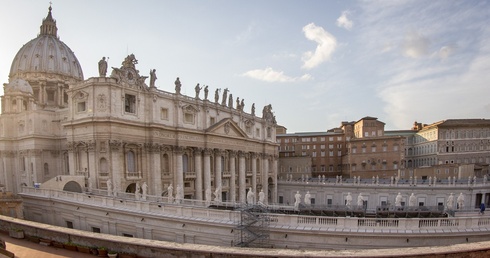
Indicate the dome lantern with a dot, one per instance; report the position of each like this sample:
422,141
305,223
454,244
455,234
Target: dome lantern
48,26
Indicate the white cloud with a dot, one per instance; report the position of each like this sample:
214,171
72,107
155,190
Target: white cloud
326,46
344,22
415,45
269,75
445,52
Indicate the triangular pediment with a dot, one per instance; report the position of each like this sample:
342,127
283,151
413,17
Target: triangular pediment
227,127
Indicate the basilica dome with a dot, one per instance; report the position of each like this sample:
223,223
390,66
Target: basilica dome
46,56
18,85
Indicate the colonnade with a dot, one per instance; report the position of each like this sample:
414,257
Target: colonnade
200,172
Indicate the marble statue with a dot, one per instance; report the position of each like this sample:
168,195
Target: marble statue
237,103
469,180
178,86
253,109
216,96
144,188
430,180
208,196
225,97
435,180
412,201
250,197
109,187
170,193
206,92
308,198
198,90
398,199
450,202
242,104
348,200
179,196
217,195
261,196
102,67
460,201
230,101
360,200
115,190
89,184
297,200
153,77
137,192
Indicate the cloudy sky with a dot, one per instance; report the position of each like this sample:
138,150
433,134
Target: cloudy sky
317,62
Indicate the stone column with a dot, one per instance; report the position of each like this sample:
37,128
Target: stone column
92,168
274,178
218,170
232,155
179,168
253,156
242,174
198,170
207,172
265,176
117,165
155,170
71,158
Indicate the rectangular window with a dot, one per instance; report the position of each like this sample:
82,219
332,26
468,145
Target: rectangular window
339,138
330,168
313,154
322,146
69,224
323,153
313,139
189,118
95,230
322,139
130,103
81,106
384,148
330,139
164,114
330,153
373,149
395,148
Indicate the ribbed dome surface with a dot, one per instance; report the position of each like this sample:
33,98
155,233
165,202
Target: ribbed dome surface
18,85
46,54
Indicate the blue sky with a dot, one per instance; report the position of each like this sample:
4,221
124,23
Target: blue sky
317,62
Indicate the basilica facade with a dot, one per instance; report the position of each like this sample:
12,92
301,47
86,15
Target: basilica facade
123,135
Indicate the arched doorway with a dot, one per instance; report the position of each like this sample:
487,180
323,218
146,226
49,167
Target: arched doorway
72,186
131,188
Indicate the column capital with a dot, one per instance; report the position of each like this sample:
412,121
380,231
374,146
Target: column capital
232,153
152,147
241,154
90,145
218,152
207,151
198,151
115,144
178,149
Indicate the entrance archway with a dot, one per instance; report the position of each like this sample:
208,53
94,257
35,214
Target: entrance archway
72,186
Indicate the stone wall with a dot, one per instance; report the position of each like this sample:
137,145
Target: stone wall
153,248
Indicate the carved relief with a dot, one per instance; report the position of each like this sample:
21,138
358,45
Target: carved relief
101,102
115,144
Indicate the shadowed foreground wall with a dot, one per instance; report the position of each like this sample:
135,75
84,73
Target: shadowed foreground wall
154,248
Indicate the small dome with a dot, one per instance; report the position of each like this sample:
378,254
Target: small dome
18,85
46,54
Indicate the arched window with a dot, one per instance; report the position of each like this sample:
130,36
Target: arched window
46,169
130,161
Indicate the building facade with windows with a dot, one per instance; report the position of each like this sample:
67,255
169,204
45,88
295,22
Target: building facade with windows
120,134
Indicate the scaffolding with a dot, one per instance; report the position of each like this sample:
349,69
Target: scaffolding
253,227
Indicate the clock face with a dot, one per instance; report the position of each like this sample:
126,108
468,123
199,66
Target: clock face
131,75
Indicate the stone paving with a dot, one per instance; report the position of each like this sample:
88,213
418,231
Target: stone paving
23,248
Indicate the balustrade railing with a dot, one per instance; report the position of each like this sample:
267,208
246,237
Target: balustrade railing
197,209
